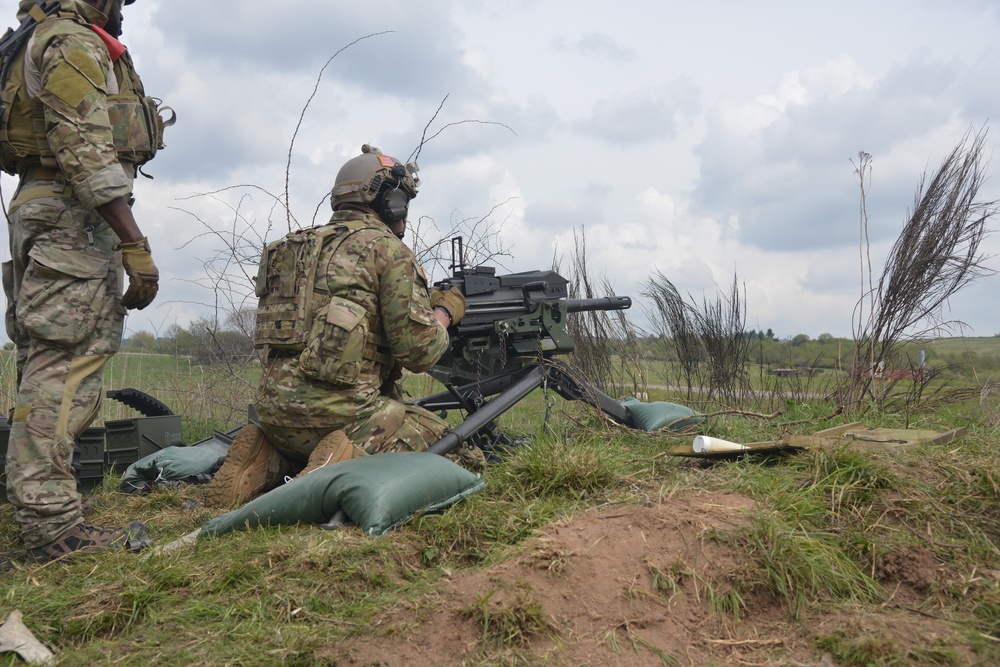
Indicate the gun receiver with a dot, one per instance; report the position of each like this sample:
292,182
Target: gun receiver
510,320
512,324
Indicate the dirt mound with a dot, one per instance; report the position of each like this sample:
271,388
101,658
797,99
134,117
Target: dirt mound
626,586
614,587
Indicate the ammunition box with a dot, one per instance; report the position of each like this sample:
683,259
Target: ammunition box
129,440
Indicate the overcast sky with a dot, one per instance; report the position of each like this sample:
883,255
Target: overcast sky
697,140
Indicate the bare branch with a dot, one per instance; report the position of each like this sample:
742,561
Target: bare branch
302,115
424,139
483,243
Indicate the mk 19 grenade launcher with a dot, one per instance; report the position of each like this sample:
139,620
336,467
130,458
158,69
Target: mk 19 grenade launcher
510,320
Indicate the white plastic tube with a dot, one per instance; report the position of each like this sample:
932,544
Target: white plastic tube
703,443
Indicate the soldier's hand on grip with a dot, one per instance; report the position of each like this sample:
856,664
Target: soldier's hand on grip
143,276
452,301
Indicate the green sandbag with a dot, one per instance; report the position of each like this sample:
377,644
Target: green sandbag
378,492
173,464
657,415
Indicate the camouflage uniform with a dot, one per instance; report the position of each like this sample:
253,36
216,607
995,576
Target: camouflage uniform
64,281
361,261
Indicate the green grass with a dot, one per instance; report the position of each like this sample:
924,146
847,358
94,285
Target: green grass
509,620
825,526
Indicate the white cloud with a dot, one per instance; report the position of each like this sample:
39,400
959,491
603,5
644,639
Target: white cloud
680,142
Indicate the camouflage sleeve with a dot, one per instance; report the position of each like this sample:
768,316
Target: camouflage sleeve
416,339
75,66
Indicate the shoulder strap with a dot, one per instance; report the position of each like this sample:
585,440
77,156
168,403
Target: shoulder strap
14,39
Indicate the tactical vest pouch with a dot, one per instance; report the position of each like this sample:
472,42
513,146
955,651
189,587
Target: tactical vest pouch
335,348
260,280
285,284
284,310
137,126
18,138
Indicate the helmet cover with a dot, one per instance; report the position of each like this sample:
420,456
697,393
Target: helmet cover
369,177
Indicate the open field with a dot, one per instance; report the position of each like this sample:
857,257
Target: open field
591,547
213,397
207,397
986,346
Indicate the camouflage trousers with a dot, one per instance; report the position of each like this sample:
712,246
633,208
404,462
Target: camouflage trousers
393,427
65,317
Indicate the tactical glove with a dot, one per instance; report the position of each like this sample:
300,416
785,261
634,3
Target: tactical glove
143,278
452,301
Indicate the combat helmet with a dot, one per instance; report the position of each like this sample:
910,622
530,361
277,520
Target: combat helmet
376,181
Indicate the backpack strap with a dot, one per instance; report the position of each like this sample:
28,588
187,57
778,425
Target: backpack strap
13,40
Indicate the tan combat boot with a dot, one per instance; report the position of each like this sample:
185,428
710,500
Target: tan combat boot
252,467
333,448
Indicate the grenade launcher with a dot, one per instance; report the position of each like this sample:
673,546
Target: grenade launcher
504,346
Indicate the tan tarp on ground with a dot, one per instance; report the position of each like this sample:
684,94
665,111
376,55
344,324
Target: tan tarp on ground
855,435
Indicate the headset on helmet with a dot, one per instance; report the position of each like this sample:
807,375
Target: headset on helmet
377,181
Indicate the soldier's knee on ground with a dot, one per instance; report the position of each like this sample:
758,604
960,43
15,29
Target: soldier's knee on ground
333,448
252,467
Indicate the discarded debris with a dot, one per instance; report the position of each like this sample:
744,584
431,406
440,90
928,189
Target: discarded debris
855,435
184,541
703,443
17,638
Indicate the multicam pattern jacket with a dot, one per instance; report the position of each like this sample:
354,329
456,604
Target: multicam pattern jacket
69,70
371,268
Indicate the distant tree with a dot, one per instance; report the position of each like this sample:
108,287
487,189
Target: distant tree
769,335
142,341
183,342
212,343
242,320
825,338
172,331
800,339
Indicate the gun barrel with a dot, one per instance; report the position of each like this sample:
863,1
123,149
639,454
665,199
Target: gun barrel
604,303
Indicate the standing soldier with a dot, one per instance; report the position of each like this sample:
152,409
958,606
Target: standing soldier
343,307
76,127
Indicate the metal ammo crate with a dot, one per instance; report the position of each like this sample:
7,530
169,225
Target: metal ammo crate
129,440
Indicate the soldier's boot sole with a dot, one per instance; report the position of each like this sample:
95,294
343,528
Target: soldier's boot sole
252,467
333,448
